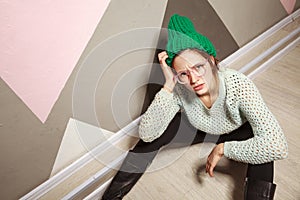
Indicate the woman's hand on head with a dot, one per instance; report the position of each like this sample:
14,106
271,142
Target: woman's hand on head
167,71
213,158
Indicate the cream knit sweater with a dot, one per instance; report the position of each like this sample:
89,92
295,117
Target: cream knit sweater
238,101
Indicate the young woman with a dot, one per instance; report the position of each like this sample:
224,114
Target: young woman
201,103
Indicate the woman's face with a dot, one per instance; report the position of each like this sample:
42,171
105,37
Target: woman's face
189,59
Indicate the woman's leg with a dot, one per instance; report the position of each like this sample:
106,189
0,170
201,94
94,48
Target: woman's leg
139,158
179,133
259,182
264,172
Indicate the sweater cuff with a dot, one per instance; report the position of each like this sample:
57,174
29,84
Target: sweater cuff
165,94
227,149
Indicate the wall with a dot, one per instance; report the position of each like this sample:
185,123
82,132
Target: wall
247,19
114,111
28,147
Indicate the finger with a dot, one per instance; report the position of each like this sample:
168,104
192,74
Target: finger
163,59
211,171
160,55
208,163
207,166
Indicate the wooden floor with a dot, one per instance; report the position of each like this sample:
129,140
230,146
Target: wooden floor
184,177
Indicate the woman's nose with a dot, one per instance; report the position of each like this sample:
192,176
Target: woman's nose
193,77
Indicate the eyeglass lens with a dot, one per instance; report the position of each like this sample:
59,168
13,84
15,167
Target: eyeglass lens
183,77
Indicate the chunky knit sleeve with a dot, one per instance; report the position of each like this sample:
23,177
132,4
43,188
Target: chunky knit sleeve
158,116
269,142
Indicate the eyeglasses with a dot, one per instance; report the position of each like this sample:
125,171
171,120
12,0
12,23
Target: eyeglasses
183,77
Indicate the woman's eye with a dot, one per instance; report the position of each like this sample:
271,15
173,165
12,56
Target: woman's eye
183,74
199,66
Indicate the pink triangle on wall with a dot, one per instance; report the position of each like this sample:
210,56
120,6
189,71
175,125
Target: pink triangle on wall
288,5
41,42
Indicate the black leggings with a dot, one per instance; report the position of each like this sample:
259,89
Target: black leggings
180,133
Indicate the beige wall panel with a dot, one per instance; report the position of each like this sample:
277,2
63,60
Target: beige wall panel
112,112
247,19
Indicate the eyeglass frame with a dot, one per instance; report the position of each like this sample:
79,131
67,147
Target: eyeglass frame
194,68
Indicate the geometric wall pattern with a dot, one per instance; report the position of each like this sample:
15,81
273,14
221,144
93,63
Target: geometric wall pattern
79,138
41,43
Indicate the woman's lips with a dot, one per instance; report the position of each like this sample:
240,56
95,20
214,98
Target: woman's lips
199,87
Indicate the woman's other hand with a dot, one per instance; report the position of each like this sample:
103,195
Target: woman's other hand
213,158
167,71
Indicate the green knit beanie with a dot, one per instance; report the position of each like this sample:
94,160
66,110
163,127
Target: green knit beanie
183,35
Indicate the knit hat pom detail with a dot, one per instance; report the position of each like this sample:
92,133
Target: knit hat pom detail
181,24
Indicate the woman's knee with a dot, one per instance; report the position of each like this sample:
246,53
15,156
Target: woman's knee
146,147
164,139
261,171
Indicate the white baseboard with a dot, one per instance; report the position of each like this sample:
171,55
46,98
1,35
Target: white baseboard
269,51
115,164
259,39
274,58
52,182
